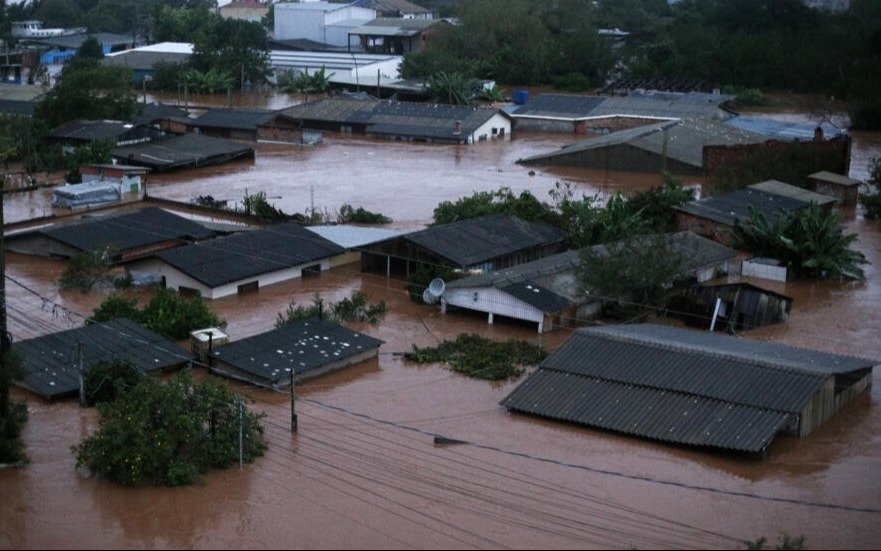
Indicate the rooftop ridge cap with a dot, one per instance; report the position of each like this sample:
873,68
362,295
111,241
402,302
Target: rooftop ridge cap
664,389
657,342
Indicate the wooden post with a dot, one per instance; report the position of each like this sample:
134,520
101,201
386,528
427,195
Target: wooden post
293,404
241,429
81,373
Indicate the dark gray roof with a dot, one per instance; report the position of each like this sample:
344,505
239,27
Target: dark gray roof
251,253
127,230
477,240
152,112
49,362
419,120
396,26
678,385
560,105
557,274
780,188
606,140
304,45
92,130
649,105
187,150
18,107
537,296
737,205
239,119
74,41
302,347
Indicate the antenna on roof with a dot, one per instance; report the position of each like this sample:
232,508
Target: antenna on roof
437,287
428,298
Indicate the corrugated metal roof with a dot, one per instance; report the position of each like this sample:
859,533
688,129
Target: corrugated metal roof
782,130
302,347
678,385
839,179
780,188
777,355
126,231
645,412
686,141
49,362
91,130
737,206
658,106
395,26
477,240
238,119
558,272
251,253
187,150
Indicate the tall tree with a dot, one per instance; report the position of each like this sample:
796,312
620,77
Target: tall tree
233,45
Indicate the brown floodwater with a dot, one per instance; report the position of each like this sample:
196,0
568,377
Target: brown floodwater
363,470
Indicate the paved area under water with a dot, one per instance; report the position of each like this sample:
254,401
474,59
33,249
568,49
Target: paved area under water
363,470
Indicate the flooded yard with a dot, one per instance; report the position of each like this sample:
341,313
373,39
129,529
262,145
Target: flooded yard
363,470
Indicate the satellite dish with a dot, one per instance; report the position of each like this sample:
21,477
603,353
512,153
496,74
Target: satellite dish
437,287
428,298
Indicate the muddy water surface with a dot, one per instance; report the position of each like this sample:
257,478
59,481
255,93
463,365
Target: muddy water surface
363,470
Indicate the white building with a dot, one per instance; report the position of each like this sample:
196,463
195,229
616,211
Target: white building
243,262
319,21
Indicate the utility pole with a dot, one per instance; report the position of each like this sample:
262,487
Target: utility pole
241,423
5,344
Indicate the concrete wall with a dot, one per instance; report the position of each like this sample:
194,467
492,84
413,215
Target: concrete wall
291,22
498,123
764,271
721,233
846,195
175,279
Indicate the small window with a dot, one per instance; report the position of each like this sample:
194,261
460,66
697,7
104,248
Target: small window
249,287
187,291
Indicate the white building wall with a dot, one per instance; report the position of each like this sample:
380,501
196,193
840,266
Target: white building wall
174,278
293,22
492,300
501,123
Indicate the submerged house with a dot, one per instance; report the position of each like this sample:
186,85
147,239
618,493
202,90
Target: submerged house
305,349
845,190
715,217
395,35
738,306
675,146
50,363
548,291
243,262
73,134
126,236
582,114
690,388
403,120
475,245
179,152
247,124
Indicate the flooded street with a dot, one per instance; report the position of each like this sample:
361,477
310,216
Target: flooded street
363,471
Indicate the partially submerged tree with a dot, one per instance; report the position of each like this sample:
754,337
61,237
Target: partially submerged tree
481,358
810,242
353,308
170,434
168,313
632,275
13,414
85,269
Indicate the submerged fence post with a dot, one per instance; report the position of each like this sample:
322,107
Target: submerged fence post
293,404
241,423
81,373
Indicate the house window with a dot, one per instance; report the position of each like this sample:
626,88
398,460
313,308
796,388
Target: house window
311,271
248,287
187,291
495,131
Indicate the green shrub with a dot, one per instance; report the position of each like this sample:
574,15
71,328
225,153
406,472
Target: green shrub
168,313
107,380
350,215
258,206
810,242
13,414
169,434
480,358
656,204
84,270
353,308
571,82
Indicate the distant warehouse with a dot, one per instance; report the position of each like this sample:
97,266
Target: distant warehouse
692,388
